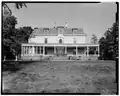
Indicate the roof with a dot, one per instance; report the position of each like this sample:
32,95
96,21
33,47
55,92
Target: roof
54,31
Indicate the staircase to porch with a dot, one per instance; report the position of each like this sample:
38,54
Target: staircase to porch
60,58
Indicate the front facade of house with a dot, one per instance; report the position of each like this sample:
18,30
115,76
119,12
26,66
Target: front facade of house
58,41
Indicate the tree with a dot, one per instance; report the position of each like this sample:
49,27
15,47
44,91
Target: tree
92,50
11,44
20,5
102,44
23,34
116,38
94,39
109,43
7,11
8,34
12,38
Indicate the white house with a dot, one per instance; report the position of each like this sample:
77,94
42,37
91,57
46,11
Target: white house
56,42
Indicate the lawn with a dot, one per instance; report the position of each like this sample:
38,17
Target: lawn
62,77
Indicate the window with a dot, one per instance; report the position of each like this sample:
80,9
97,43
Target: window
74,40
60,41
46,30
60,30
74,30
46,41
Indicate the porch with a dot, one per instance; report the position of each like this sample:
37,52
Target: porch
36,51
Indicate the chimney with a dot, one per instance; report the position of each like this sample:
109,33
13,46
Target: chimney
66,24
54,24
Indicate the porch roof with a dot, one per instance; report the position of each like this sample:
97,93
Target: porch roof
55,44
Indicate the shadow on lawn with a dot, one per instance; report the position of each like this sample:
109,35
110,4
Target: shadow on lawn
14,66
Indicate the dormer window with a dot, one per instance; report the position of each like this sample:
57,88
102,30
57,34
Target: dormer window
74,30
46,30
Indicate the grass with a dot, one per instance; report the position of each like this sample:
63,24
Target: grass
62,77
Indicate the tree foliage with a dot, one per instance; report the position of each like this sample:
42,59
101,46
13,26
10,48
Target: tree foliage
7,11
23,34
92,50
109,43
94,39
12,37
20,5
17,5
8,30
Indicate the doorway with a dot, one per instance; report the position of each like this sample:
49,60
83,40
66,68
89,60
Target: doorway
60,51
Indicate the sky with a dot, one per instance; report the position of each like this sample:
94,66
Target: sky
94,18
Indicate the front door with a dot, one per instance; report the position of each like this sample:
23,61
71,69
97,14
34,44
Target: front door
60,51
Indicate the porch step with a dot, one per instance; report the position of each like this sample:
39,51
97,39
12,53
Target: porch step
77,58
60,58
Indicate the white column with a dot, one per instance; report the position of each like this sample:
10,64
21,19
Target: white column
24,50
54,49
87,50
84,51
36,49
65,49
27,50
21,50
33,50
43,50
76,50
98,50
16,58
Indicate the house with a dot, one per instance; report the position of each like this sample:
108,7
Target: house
58,41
